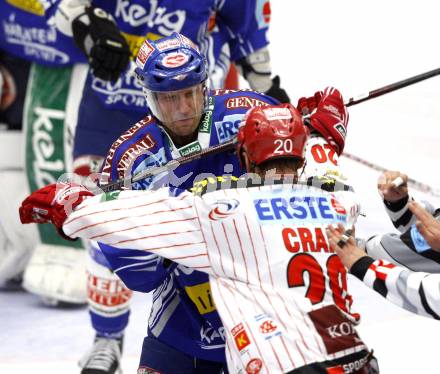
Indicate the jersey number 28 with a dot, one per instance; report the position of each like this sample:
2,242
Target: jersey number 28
303,263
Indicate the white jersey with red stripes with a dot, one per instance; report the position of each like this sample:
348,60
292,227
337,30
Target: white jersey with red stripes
280,290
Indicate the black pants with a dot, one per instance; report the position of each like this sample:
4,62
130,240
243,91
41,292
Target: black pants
362,362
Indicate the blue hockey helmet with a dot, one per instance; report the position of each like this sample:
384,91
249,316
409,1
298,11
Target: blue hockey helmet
166,67
170,64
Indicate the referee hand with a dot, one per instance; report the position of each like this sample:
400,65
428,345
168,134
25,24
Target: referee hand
344,245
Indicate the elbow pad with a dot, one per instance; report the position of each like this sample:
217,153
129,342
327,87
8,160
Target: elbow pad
67,12
256,69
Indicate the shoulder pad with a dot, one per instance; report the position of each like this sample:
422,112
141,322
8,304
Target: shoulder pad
212,184
328,184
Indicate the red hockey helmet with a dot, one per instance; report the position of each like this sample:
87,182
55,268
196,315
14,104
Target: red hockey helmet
275,131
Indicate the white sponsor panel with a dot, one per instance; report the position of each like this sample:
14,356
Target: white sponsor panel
174,60
228,127
143,54
277,113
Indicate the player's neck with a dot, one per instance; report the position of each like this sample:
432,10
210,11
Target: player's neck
279,171
180,141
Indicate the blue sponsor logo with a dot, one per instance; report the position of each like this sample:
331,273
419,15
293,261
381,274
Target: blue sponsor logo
285,208
420,244
224,209
228,128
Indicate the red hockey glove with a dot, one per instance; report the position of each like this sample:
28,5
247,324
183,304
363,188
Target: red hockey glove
331,119
306,105
52,203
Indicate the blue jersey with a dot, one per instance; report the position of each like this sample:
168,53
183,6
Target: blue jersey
239,23
183,314
25,33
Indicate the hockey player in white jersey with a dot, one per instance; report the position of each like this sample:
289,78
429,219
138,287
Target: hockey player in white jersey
280,290
405,268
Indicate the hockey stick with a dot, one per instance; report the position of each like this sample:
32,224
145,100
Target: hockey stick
392,87
155,170
420,186
229,145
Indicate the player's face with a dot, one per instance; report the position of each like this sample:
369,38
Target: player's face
181,110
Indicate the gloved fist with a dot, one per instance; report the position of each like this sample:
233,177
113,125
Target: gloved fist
52,203
307,105
98,36
277,92
331,119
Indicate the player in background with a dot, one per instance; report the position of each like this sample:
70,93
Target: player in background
37,64
402,268
280,290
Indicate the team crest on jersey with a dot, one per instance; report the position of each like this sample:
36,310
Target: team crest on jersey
224,209
254,366
267,326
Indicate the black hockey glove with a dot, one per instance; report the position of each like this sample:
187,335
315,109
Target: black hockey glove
98,36
277,92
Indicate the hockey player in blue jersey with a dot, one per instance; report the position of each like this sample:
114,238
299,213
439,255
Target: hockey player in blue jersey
186,118
109,31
